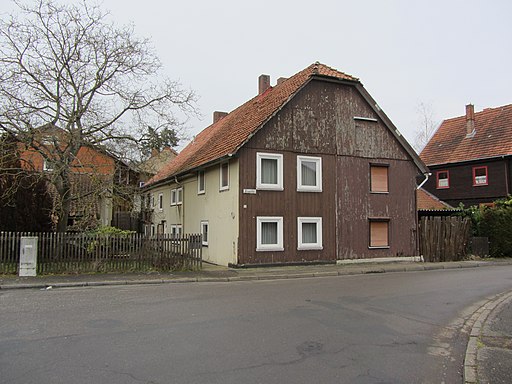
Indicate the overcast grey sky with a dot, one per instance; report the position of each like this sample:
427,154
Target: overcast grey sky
441,53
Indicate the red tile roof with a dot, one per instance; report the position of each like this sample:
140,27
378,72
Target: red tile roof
226,136
427,201
493,135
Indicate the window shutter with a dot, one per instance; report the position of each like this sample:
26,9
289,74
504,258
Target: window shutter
379,234
379,179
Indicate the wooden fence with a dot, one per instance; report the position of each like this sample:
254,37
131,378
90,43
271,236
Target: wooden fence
444,238
79,253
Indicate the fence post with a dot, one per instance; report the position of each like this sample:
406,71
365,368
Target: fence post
28,256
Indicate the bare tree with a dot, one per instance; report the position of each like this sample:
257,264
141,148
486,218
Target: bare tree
426,126
69,78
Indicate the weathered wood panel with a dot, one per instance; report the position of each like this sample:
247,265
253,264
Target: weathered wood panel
289,204
444,238
461,183
356,205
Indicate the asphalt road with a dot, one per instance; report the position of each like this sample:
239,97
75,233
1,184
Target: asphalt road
381,328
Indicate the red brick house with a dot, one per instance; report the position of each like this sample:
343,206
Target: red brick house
309,170
470,157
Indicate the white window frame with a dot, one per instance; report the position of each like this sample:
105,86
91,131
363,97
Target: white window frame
309,188
319,242
204,224
173,197
269,247
269,156
160,201
152,200
201,174
176,230
177,196
223,187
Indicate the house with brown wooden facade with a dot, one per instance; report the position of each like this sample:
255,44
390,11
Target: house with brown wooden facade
309,170
470,157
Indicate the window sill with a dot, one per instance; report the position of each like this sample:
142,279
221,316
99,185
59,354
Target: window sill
201,193
379,192
223,189
276,249
310,248
269,188
309,190
383,247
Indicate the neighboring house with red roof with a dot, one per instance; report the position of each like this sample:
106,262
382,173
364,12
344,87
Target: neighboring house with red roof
470,157
309,170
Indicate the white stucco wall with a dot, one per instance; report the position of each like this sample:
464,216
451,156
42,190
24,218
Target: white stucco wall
218,208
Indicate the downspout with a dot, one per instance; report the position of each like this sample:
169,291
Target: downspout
182,205
427,175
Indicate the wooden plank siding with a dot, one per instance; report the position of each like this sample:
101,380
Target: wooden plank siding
319,121
461,189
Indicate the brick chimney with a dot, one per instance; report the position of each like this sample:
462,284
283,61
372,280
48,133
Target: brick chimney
217,115
281,79
470,120
263,83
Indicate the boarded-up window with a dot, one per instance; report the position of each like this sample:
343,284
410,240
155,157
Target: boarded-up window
379,233
379,178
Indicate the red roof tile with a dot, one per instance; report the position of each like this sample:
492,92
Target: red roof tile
493,135
227,135
427,201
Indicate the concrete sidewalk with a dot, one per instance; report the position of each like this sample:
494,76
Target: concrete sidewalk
211,273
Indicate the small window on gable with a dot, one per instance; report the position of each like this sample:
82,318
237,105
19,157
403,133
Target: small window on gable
269,233
201,186
379,233
160,201
224,176
309,174
379,178
309,234
204,233
443,179
269,171
480,176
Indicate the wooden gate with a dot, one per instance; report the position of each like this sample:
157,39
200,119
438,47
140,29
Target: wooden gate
444,238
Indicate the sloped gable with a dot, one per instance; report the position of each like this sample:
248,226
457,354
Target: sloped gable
227,135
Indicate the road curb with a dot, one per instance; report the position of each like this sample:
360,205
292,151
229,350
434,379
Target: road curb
348,271
478,320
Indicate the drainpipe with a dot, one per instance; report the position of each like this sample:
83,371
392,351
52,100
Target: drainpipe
427,175
182,205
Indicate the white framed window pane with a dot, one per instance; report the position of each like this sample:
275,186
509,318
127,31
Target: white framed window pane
269,233
224,176
269,171
309,235
179,195
200,182
309,174
173,197
308,170
204,232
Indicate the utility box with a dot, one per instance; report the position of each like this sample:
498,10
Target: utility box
28,256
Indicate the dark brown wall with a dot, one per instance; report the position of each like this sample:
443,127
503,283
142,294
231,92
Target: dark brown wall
461,183
319,121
